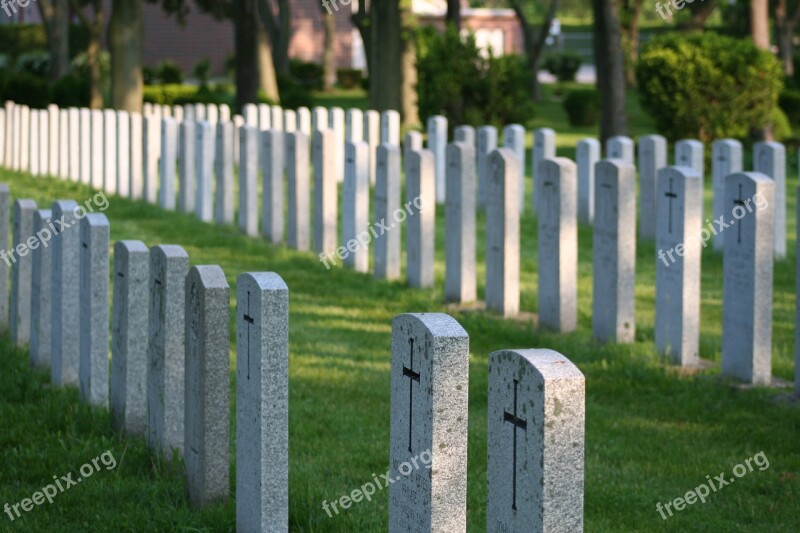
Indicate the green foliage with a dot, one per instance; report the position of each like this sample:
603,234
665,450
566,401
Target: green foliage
293,93
582,107
71,90
26,88
789,102
564,66
168,94
16,39
707,86
149,75
349,78
455,80
309,75
169,73
36,62
202,71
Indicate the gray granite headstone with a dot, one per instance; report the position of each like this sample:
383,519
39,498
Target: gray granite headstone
544,147
204,166
22,271
726,159
129,335
336,124
169,265
187,171
558,244
223,171
297,190
486,144
123,164
262,402
5,231
677,332
770,158
390,127
95,240
41,290
502,232
437,143
248,180
207,428
372,136
421,234
614,252
388,213
514,138
274,156
169,153
652,158
66,294
355,206
464,134
429,404
747,268
621,147
536,433
460,277
325,192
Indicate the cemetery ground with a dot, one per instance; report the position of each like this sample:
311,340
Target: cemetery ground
652,433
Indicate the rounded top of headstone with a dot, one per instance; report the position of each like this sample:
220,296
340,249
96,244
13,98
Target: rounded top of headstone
438,324
25,203
209,276
96,219
263,280
755,177
131,246
682,171
549,364
169,250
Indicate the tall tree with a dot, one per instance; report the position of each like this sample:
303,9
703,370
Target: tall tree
759,23
125,41
610,65
94,25
393,77
279,31
787,16
631,11
699,13
454,13
55,16
328,53
363,22
245,20
534,40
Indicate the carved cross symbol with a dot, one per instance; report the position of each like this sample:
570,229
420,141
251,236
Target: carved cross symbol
408,371
740,202
517,423
671,195
250,321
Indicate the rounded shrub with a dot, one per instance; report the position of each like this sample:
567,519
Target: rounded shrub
72,90
582,107
707,86
564,66
169,73
26,88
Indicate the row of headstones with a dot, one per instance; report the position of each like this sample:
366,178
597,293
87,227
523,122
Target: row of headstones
169,379
169,374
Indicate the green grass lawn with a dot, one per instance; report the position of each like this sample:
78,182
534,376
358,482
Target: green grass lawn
652,433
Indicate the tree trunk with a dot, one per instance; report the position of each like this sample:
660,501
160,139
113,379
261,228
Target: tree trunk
361,20
454,13
247,60
610,64
759,23
278,34
700,11
328,56
409,105
534,41
632,10
125,38
55,15
94,27
785,25
267,78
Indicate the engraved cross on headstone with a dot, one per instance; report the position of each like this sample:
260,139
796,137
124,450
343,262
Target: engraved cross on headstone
671,195
739,201
250,321
517,423
408,371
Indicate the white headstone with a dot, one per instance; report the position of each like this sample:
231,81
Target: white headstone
460,277
421,234
355,206
544,147
110,151
770,159
297,190
123,160
273,165
652,158
486,144
387,205
726,159
502,232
